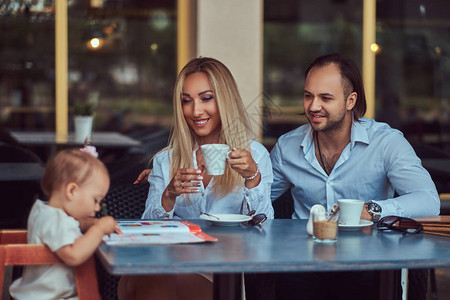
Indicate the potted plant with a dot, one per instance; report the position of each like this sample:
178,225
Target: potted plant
84,116
84,108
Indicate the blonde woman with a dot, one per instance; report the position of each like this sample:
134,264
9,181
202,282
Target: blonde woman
207,109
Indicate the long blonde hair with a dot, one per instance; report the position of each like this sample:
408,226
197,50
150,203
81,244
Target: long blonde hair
235,129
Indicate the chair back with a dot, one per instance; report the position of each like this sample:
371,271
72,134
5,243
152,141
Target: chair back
123,201
23,192
14,251
127,201
12,153
283,206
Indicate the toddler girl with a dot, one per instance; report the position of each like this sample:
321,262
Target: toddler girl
75,182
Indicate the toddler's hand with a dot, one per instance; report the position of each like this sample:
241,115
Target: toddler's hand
108,225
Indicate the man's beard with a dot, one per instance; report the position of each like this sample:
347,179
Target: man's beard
332,124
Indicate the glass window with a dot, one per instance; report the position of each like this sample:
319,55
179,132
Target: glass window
412,67
412,70
412,76
122,55
295,32
27,64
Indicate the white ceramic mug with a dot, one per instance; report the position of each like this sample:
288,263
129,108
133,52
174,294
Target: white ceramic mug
350,211
215,156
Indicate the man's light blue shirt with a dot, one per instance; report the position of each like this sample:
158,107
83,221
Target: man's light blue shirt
377,162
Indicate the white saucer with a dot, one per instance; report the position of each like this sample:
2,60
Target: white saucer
362,223
226,219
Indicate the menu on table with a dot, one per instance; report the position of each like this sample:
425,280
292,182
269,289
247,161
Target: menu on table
157,232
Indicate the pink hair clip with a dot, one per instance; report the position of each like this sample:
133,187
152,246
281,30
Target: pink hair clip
89,149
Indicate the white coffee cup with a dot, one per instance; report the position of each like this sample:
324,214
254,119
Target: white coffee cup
215,156
350,211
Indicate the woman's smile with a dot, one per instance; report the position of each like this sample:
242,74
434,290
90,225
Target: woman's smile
200,108
201,122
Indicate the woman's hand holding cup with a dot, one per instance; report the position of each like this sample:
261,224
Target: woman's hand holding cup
242,162
185,181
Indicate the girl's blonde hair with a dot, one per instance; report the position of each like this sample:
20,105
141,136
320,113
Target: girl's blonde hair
69,165
234,120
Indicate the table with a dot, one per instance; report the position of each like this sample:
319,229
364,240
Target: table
99,139
281,246
21,171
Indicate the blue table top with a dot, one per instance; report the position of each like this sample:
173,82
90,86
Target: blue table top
281,246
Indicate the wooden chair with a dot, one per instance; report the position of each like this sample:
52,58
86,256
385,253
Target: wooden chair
14,251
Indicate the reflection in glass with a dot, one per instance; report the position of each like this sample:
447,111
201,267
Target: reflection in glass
27,64
124,52
411,75
412,66
121,52
296,32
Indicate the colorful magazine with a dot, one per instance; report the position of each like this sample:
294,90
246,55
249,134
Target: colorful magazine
158,232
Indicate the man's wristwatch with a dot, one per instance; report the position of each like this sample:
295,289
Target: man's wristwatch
374,210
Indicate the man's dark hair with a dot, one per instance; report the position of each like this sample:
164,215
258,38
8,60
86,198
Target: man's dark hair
351,76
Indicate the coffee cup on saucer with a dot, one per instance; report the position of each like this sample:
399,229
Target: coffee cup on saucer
350,211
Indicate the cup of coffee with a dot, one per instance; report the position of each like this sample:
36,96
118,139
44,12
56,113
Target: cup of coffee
350,211
215,156
325,228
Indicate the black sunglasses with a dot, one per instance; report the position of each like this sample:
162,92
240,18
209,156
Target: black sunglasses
256,220
401,224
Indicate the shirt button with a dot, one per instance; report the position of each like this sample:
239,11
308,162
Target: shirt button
203,194
246,194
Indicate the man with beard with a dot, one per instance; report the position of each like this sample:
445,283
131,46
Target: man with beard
338,155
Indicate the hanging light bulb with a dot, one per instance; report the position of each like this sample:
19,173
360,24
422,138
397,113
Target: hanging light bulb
95,43
94,37
97,3
375,48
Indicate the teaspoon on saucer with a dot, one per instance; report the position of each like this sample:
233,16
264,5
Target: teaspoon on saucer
213,216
